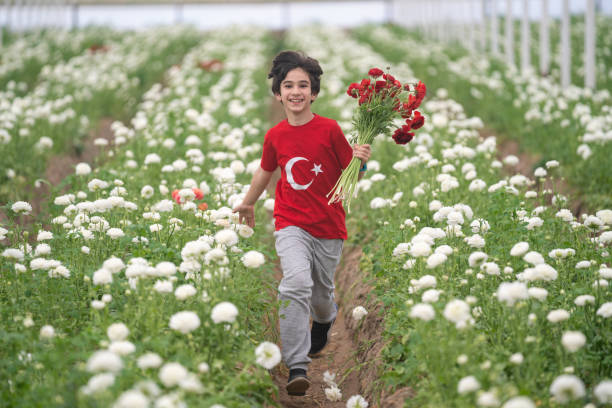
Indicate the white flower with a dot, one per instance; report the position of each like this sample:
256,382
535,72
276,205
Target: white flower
132,399
558,315
267,355
172,373
102,277
226,237
163,286
165,268
253,259
245,231
149,360
203,368
147,191
356,401
537,293
224,312
359,313
117,332
113,264
435,260
82,169
488,399
47,332
516,358
155,227
490,268
475,241
457,311
333,393
122,348
519,249
104,360
511,292
423,311
98,383
603,391
584,299
567,387
573,340
519,402
605,310
21,207
468,384
430,296
329,378
605,216
184,321
420,249
534,258
115,233
552,164
426,281
185,291
476,258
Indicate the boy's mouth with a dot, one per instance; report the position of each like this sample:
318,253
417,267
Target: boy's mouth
296,100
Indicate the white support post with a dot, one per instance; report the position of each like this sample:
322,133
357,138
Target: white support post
494,28
544,40
589,45
471,23
565,46
525,39
483,25
509,33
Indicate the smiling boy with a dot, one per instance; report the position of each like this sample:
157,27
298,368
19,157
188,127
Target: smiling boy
311,152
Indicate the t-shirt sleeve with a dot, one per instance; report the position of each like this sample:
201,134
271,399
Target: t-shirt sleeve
268,157
342,148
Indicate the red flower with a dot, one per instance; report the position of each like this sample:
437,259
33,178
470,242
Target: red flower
375,72
380,85
199,194
418,121
402,136
412,103
421,91
389,78
176,197
365,83
364,98
202,206
407,87
353,90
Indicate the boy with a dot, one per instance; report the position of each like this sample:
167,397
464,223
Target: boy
311,152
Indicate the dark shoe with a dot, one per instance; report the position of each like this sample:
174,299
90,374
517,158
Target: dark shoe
298,382
319,336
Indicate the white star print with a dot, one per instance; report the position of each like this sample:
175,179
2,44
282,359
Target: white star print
317,169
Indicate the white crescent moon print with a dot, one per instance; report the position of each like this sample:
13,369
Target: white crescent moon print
290,179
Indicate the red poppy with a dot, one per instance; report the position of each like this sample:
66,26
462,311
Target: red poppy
202,206
375,72
176,197
389,78
199,194
421,91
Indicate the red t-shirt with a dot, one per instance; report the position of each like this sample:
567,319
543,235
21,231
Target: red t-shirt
311,158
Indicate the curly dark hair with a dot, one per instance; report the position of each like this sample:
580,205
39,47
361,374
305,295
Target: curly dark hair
285,61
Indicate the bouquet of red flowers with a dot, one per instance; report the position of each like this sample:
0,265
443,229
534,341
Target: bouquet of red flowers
382,99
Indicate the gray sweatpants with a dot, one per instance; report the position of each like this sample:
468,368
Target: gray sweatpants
308,265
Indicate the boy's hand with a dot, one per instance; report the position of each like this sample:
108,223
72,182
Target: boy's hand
362,152
246,214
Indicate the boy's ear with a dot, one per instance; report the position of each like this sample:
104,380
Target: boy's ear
278,98
313,97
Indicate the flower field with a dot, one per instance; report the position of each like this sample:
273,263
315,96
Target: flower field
138,287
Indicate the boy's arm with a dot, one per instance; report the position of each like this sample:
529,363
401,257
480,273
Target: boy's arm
246,211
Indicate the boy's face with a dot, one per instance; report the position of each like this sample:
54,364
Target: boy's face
295,92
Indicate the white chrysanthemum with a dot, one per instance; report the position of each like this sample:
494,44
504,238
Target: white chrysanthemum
115,233
573,340
516,358
132,399
82,169
245,231
185,321
603,392
605,310
475,241
226,237
488,399
165,268
435,260
253,259
117,332
519,402
457,311
519,249
203,368
21,207
422,311
356,401
185,291
47,332
333,393
538,293
224,312
490,268
267,355
468,384
584,299
430,296
172,373
426,281
359,312
558,315
541,271
567,387
104,360
512,292
329,378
